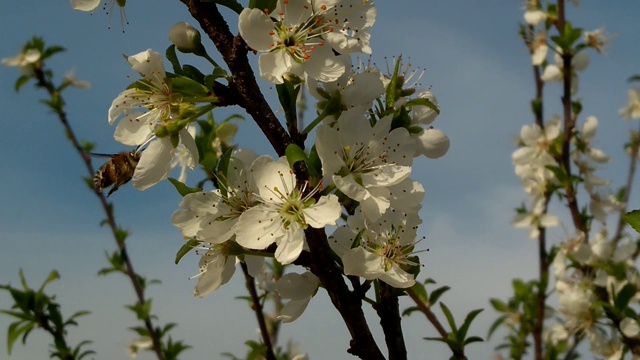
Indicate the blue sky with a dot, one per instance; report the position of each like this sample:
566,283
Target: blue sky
476,65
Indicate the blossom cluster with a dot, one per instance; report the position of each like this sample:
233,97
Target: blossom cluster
592,269
369,127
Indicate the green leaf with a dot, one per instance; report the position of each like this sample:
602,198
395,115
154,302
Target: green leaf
231,4
421,291
263,4
621,301
183,189
633,219
20,82
473,339
53,276
423,102
435,294
634,78
449,316
52,50
189,87
185,249
294,154
408,311
462,333
172,56
15,330
499,305
288,96
496,324
193,73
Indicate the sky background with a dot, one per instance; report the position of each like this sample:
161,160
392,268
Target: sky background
475,64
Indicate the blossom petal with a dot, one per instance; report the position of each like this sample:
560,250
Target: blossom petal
85,5
218,271
131,131
154,164
273,66
325,212
297,286
293,309
324,66
255,28
255,230
290,245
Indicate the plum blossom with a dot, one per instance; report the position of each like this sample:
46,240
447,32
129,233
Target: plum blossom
283,212
536,143
554,72
632,110
299,289
534,14
24,61
217,267
300,36
539,48
351,89
212,216
364,162
596,39
535,219
385,250
135,128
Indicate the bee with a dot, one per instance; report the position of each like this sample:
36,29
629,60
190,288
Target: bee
117,171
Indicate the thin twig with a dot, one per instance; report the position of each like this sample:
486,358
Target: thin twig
426,310
257,308
107,208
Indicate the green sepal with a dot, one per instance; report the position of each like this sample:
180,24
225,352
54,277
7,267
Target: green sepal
183,189
185,249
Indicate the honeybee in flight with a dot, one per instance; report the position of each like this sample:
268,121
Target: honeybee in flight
117,171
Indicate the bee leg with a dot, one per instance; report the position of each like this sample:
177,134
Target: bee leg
113,189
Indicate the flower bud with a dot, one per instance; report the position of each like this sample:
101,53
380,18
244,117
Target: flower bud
434,143
185,37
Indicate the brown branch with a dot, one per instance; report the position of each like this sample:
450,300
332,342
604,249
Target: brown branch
257,308
543,274
388,310
569,125
633,159
234,52
347,303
